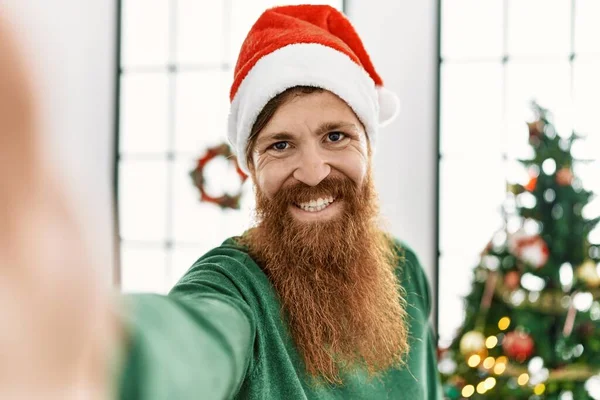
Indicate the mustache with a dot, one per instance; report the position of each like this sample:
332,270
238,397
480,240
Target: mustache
337,187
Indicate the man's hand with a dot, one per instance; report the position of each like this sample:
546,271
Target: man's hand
56,330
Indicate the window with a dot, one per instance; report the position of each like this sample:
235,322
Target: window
497,56
176,64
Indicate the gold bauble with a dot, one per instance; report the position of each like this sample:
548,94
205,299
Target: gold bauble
588,273
473,342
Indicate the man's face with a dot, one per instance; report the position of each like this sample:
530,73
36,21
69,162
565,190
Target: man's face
309,138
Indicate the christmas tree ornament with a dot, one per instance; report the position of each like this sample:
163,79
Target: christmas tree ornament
481,274
570,319
447,366
592,386
588,274
549,195
536,130
535,365
515,188
530,187
518,345
473,343
564,176
512,280
531,249
557,212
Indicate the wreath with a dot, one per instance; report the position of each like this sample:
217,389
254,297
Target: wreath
197,175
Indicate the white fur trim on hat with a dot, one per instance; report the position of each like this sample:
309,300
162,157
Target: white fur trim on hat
308,64
389,106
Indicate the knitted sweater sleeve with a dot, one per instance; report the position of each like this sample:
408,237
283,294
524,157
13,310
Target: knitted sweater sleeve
195,343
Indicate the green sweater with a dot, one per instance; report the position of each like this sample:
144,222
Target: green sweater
219,335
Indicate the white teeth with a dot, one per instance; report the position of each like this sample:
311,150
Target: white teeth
316,205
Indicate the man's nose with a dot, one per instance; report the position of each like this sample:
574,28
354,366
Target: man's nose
313,168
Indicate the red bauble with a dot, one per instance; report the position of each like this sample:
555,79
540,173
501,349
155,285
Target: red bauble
564,176
511,280
518,345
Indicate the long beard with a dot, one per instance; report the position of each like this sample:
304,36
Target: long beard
335,279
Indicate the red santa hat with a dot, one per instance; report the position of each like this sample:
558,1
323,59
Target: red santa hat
308,45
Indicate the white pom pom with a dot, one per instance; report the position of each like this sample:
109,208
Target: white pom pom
389,105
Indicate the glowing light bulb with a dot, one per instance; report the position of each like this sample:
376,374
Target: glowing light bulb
539,389
481,389
523,379
489,362
491,342
474,361
504,323
468,391
500,366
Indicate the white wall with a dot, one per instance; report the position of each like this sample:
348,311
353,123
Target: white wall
401,37
71,46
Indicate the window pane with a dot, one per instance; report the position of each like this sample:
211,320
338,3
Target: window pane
142,199
547,83
587,29
144,100
243,14
472,28
471,194
586,91
143,269
471,109
455,282
200,32
145,35
202,106
537,27
206,223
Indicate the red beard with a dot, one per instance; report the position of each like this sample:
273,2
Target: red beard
335,279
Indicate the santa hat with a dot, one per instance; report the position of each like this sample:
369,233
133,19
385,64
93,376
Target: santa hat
305,45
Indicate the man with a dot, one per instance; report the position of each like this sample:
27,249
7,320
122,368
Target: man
315,301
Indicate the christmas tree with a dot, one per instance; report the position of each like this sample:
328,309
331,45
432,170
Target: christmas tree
532,325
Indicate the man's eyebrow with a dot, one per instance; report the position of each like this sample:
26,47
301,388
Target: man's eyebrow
279,136
325,127
335,125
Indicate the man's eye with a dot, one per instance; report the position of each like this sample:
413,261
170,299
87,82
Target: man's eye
335,136
280,146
